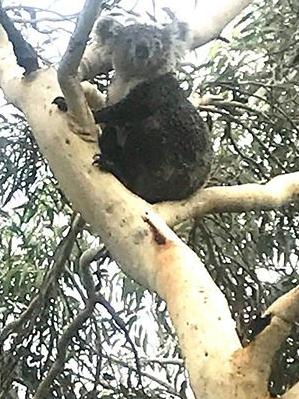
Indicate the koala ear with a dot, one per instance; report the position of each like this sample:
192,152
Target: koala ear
106,29
183,31
180,35
179,31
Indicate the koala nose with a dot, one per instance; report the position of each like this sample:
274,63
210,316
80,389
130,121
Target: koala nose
142,51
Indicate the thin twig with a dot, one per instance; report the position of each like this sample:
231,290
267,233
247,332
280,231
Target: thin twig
62,255
73,328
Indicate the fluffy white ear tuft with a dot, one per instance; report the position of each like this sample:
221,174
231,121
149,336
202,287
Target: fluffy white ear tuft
105,30
181,35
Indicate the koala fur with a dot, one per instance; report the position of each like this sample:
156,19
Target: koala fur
153,139
155,142
139,52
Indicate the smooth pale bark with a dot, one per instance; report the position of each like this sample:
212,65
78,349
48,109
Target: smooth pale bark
253,364
80,114
141,242
279,191
208,27
293,393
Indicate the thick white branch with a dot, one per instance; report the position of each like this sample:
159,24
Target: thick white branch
73,55
293,393
284,312
144,246
253,363
279,191
208,27
141,242
286,308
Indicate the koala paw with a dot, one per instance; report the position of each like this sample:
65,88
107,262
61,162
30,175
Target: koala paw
103,163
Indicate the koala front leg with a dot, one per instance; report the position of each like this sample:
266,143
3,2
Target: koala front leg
95,99
111,157
132,108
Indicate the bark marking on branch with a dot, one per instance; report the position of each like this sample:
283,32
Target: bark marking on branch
158,237
197,307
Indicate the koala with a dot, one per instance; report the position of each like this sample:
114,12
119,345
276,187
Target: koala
153,139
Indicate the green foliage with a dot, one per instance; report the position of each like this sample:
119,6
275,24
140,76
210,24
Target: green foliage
252,256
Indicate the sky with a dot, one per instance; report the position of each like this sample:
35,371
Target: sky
184,9
191,11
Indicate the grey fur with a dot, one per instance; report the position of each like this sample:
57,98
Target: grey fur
139,52
154,140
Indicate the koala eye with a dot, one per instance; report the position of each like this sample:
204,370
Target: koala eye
157,44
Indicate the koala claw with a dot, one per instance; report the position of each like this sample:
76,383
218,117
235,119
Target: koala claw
103,163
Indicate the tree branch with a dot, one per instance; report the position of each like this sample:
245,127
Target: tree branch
62,254
284,313
254,362
168,388
130,230
140,241
43,389
293,393
206,28
25,53
122,326
81,118
279,191
72,329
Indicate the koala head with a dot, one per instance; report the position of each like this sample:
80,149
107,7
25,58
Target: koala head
141,51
